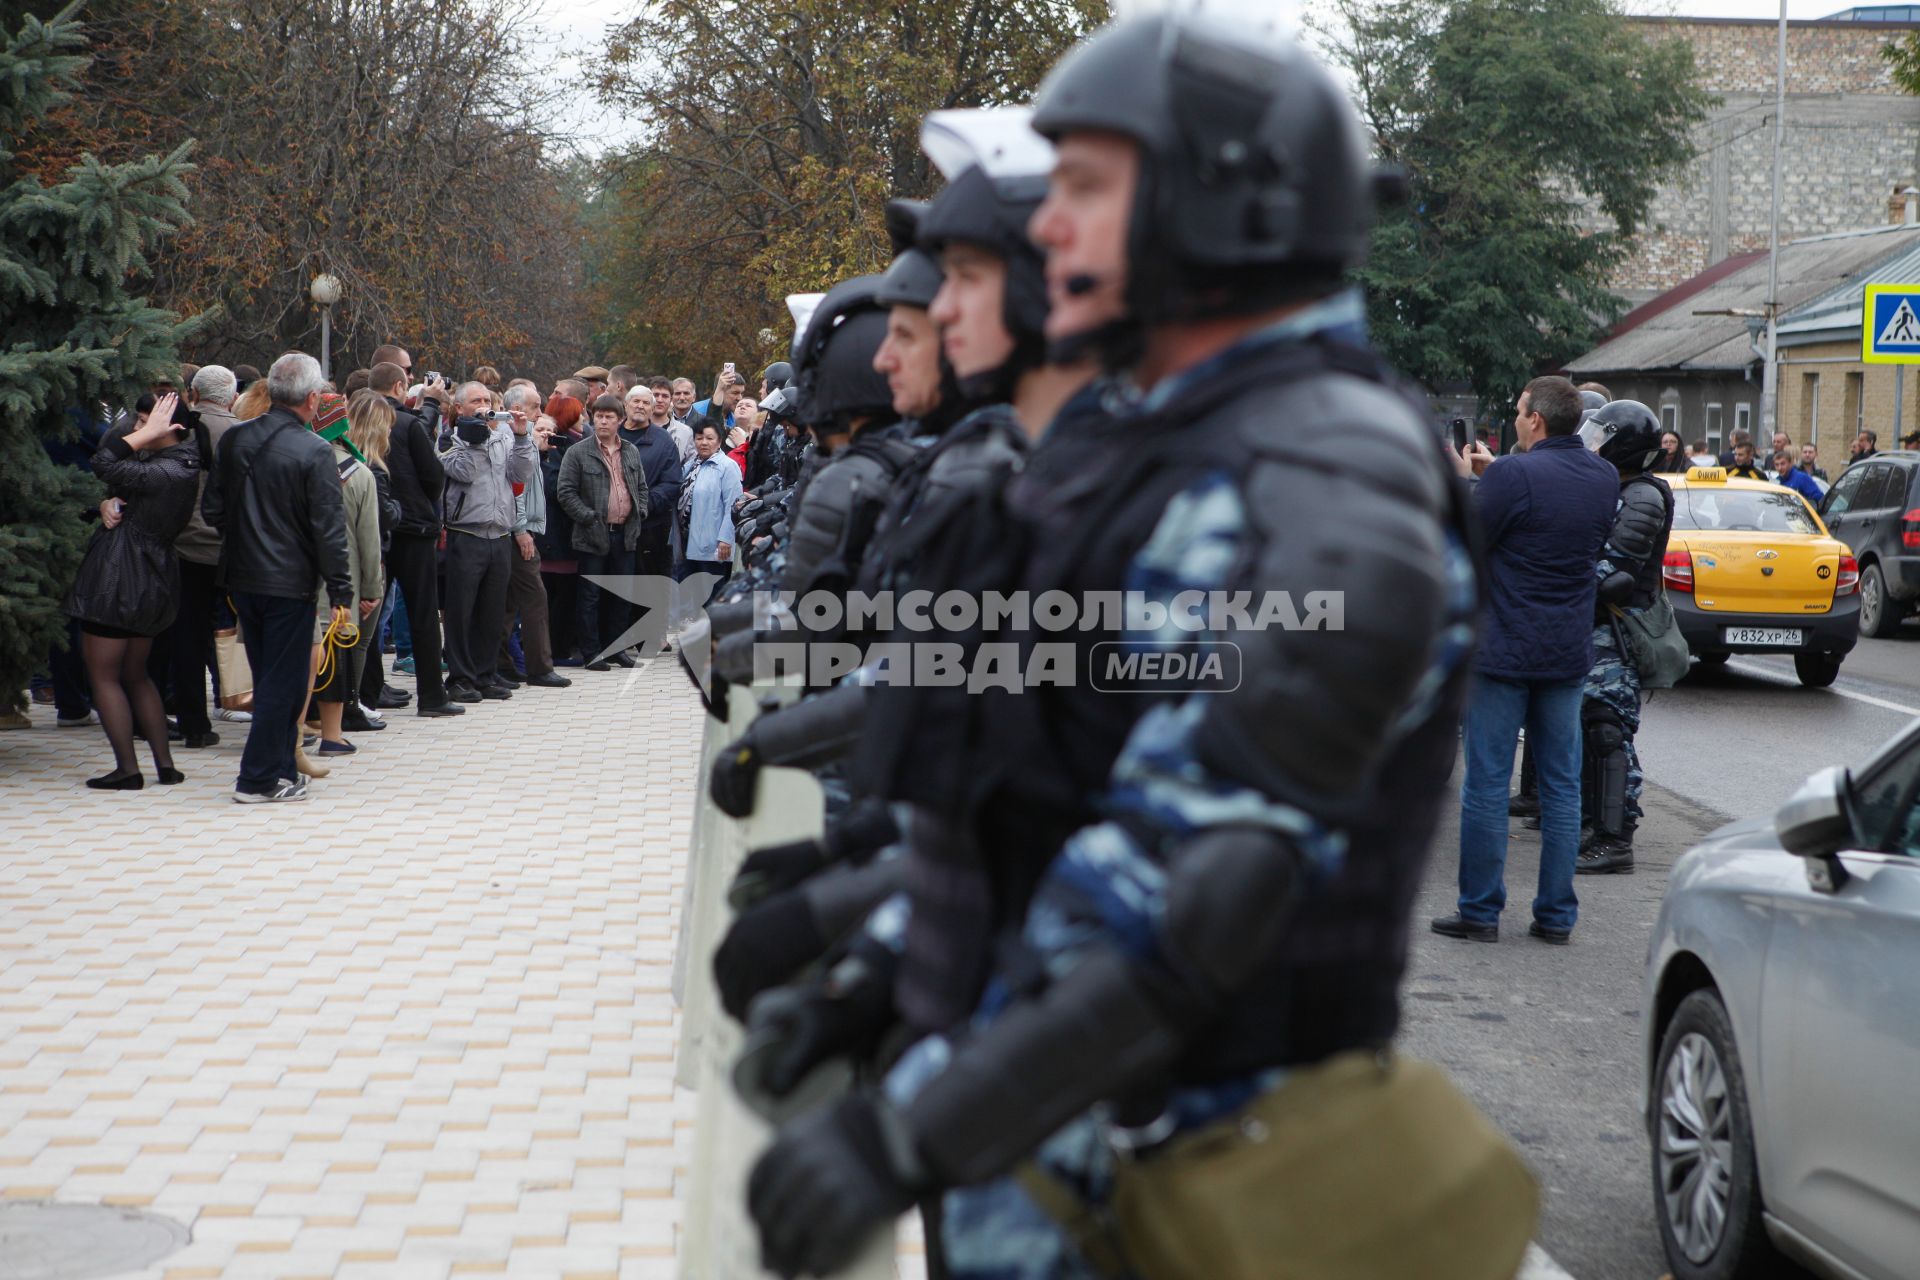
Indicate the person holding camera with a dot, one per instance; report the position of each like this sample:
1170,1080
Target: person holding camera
492,452
127,591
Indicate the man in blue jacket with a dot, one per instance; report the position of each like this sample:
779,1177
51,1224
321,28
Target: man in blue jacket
1545,514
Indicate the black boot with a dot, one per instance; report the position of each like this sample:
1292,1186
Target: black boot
1606,854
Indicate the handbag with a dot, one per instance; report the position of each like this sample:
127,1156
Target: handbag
236,673
1367,1166
1652,637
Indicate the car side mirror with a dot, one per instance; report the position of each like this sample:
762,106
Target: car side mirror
1817,823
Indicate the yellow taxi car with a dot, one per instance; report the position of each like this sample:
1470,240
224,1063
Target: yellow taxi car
1750,569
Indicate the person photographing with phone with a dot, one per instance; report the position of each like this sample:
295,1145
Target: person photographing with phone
127,590
491,452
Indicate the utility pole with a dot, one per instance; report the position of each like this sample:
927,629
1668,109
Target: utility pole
1770,376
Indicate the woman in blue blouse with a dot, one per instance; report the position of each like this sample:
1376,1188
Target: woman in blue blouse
706,507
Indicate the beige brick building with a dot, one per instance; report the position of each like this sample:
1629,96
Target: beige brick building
1852,142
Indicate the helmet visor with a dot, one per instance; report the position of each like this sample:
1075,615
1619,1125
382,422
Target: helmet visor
1595,434
998,140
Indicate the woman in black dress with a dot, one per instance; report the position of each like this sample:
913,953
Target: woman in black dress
127,590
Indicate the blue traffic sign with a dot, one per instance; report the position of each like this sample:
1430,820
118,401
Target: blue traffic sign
1890,324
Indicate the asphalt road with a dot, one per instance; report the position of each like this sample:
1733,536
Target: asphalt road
1547,1039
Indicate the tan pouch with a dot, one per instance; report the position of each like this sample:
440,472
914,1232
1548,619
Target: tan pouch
1363,1167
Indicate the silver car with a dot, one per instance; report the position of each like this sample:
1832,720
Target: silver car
1782,1029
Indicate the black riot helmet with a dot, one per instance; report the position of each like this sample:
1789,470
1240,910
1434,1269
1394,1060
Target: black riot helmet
1255,187
1589,402
833,357
778,375
903,223
996,169
914,276
1625,433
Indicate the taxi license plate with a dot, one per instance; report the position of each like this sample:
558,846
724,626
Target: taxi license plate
1785,637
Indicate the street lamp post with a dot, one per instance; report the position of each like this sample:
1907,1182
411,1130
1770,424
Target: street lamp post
1769,385
325,290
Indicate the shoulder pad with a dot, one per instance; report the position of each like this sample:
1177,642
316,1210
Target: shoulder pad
1336,422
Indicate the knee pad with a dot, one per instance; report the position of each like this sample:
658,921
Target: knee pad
1602,728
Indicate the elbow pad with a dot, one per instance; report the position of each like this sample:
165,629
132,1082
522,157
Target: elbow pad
1616,588
1097,1033
1229,898
814,731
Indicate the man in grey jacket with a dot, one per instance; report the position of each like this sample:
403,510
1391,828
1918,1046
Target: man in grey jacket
486,460
526,593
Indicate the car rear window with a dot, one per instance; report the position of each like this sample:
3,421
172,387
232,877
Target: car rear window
1733,509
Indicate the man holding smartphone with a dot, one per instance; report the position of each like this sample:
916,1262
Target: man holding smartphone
491,453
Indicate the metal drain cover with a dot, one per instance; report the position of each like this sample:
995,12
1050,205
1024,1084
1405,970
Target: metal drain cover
40,1241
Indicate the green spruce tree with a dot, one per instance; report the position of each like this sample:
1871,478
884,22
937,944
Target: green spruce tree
75,336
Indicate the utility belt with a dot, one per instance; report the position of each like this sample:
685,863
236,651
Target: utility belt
1366,1166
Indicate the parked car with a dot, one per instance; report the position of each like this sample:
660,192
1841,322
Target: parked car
1874,507
1750,569
1782,1035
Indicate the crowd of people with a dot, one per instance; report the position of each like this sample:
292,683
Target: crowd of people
320,528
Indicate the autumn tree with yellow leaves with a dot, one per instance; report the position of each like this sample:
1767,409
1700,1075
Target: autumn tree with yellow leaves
775,131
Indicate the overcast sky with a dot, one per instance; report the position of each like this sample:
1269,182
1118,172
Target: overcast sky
565,32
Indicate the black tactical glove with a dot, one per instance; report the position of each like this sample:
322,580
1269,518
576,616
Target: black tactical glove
765,947
735,770
843,1014
774,870
473,430
828,1181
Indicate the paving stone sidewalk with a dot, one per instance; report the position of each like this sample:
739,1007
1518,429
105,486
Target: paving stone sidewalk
419,1026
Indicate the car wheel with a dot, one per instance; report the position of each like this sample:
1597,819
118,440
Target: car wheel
1880,613
1816,670
1706,1189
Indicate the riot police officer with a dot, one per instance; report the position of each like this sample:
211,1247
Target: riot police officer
1627,434
1193,889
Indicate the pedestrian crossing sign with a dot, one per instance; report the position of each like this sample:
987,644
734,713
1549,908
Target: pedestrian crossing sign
1890,324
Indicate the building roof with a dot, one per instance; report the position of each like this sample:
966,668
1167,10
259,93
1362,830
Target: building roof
1672,338
1837,312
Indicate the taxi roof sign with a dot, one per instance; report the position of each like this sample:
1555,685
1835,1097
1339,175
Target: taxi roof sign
1890,324
1706,475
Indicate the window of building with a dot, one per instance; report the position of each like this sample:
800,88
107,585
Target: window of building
1810,408
1670,418
1743,417
1855,402
1716,421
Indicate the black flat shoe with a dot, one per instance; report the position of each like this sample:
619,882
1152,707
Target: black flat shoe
495,692
391,699
118,782
446,709
171,777
1466,930
198,740
1553,937
599,664
550,681
462,692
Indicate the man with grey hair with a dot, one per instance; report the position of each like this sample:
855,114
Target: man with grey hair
486,459
275,499
526,593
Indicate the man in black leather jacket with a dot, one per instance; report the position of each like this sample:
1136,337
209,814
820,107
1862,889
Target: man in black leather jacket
283,527
1627,434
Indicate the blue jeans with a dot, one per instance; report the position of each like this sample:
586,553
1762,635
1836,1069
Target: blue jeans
278,632
1496,711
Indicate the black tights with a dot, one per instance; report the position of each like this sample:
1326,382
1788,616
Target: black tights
123,693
